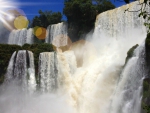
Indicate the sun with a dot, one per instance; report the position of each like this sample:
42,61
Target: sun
11,17
6,17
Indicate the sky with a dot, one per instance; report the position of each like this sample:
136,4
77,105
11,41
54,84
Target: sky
31,7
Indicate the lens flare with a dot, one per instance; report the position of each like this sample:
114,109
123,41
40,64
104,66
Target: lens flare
21,22
40,32
58,43
5,5
11,17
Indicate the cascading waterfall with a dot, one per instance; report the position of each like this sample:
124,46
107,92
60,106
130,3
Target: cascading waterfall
21,69
101,85
57,34
114,34
48,71
31,72
51,69
70,57
127,97
30,36
10,68
20,37
94,84
117,23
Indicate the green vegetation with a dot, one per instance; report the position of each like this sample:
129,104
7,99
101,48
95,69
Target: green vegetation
81,14
5,54
46,18
7,50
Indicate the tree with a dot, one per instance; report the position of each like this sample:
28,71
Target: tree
46,18
82,13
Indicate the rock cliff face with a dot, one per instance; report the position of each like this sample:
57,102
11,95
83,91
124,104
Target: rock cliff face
146,81
130,53
147,48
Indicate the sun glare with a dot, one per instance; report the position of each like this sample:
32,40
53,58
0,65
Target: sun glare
5,17
11,16
5,5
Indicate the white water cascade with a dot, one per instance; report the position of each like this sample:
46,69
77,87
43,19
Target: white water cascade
128,94
48,71
53,67
117,23
101,85
57,34
20,37
21,69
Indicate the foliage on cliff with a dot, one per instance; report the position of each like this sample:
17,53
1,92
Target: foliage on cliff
6,52
81,14
46,18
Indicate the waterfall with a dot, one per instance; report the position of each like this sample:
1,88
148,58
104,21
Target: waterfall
48,71
127,97
30,36
70,57
10,68
57,34
31,72
97,86
20,37
21,69
103,84
116,23
53,67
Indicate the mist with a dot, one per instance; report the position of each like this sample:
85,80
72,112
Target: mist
15,99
